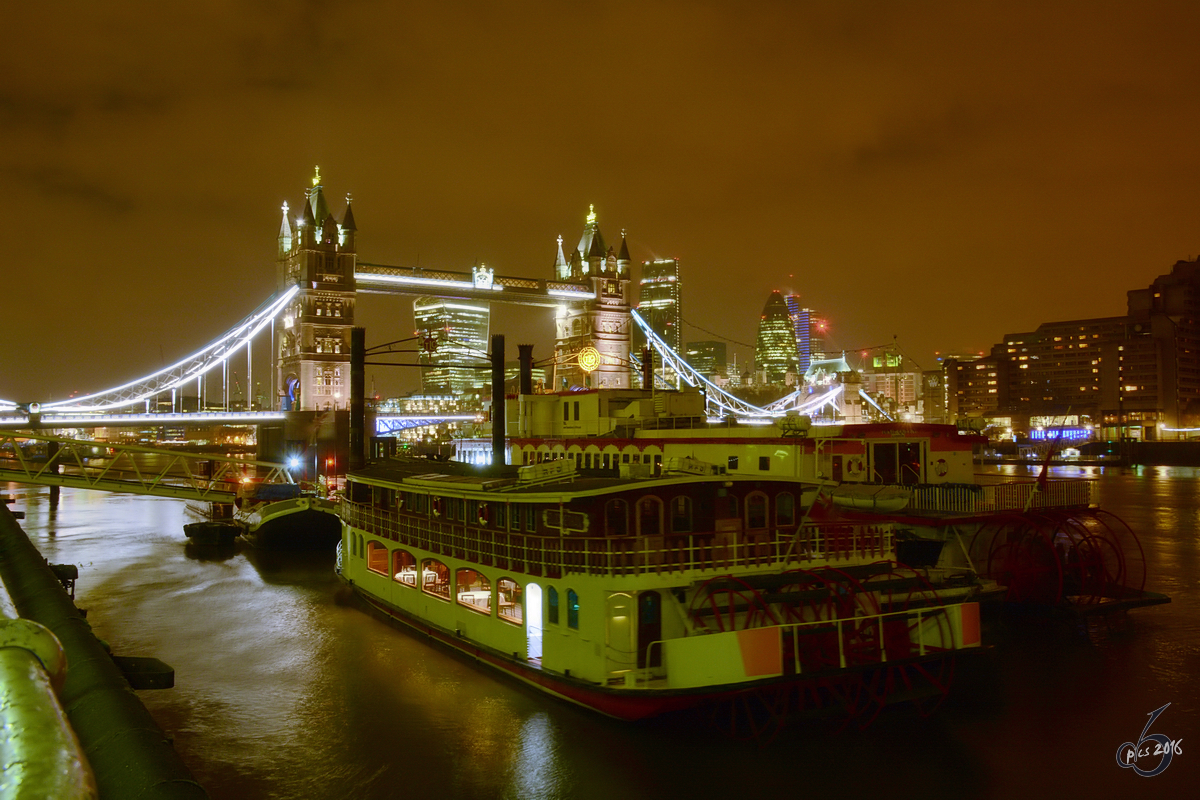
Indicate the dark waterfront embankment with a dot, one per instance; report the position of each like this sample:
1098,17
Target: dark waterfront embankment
129,755
283,690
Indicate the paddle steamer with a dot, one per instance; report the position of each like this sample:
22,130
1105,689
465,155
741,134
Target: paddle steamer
643,590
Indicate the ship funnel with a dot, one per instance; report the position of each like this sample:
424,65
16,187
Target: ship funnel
525,359
498,400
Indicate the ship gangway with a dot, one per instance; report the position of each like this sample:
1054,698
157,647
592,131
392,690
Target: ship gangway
81,464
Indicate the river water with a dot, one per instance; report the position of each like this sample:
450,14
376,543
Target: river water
286,690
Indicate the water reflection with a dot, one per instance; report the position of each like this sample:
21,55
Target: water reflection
535,772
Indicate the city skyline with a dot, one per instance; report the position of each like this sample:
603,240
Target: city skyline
902,168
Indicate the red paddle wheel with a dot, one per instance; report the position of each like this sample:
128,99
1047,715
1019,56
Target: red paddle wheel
726,603
1052,557
847,662
914,643
829,595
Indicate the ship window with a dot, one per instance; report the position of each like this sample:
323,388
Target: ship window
566,411
404,568
508,600
649,516
572,609
531,518
733,463
785,509
501,516
474,590
552,605
764,463
681,514
616,514
377,558
756,511
435,578
576,410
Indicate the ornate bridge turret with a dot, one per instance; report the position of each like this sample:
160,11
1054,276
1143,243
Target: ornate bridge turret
592,336
318,255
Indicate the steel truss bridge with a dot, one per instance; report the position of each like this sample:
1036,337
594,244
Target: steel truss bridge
131,404
55,461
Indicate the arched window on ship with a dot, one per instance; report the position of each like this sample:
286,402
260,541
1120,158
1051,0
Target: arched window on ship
377,558
474,590
404,568
649,516
435,578
756,511
508,600
552,605
616,518
572,609
681,514
785,509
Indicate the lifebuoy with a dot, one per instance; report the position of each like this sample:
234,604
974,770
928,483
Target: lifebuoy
940,467
437,506
854,464
483,514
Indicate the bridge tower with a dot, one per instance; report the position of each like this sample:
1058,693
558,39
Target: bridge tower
602,323
318,254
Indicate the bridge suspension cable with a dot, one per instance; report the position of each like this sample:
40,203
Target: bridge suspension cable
190,368
723,402
717,399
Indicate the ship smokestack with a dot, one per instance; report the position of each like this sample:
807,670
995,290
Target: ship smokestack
358,404
498,400
525,359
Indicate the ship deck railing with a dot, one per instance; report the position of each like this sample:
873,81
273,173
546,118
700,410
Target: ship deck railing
986,498
817,646
803,546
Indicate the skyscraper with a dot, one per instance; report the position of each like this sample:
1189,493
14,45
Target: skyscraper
809,332
317,254
775,351
658,301
707,358
454,343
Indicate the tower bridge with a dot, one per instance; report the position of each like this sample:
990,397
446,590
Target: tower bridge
310,318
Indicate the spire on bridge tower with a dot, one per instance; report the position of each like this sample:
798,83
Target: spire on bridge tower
348,228
316,200
562,270
285,233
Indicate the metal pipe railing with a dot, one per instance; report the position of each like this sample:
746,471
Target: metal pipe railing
40,756
129,754
839,544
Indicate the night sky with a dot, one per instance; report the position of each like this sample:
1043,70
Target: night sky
941,172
